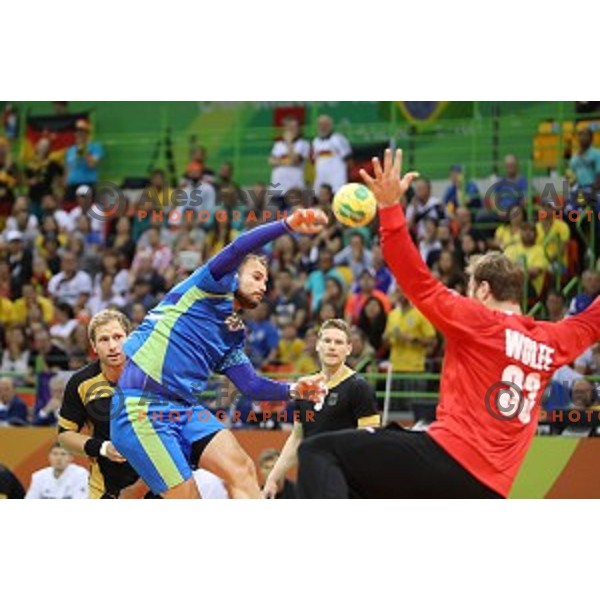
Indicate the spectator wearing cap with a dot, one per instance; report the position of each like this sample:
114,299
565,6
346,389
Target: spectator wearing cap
84,196
20,260
13,411
355,256
70,283
82,159
367,289
458,194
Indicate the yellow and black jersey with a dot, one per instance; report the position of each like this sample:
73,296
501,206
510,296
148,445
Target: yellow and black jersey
87,403
350,403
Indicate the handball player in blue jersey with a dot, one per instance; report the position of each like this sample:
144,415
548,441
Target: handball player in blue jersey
158,423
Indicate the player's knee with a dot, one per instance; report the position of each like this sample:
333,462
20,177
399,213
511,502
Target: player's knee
241,469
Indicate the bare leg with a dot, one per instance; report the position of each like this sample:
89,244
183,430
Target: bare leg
225,458
186,490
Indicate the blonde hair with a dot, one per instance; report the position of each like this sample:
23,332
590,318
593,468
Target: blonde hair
335,324
505,278
103,318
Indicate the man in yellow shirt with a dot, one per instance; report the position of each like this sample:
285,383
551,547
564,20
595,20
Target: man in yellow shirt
29,298
410,336
552,235
290,347
532,256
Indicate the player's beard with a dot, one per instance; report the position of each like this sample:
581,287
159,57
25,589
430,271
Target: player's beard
246,301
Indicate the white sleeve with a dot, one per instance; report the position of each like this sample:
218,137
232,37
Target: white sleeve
276,151
345,147
303,149
35,489
80,487
85,287
584,360
52,284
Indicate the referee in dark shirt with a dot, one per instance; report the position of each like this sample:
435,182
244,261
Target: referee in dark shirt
350,401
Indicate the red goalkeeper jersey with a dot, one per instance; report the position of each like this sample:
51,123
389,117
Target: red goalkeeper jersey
484,424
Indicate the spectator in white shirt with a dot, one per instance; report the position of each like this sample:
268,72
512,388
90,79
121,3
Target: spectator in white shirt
85,201
62,480
69,283
288,158
162,256
423,205
589,362
331,152
195,194
15,358
356,256
105,296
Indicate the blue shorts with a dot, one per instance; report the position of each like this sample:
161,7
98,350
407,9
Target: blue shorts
156,432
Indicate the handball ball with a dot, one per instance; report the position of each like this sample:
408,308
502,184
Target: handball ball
354,205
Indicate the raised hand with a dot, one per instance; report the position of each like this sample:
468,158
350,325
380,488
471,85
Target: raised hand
311,388
388,185
308,221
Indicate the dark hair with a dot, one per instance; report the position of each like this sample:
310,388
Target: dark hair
66,308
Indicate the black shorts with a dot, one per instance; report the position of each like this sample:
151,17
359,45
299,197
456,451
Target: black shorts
382,463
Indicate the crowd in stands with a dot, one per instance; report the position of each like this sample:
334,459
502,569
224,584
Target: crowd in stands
59,266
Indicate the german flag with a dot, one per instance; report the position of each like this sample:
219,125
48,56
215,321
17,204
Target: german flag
59,129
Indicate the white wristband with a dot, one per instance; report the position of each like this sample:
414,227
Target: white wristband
104,449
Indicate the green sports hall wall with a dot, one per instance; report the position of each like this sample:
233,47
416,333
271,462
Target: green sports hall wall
243,132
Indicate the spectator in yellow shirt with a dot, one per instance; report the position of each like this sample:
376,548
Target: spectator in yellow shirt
290,346
532,256
410,336
6,312
509,234
30,297
308,362
552,235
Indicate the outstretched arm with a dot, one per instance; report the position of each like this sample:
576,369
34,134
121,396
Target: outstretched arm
441,306
253,385
306,221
